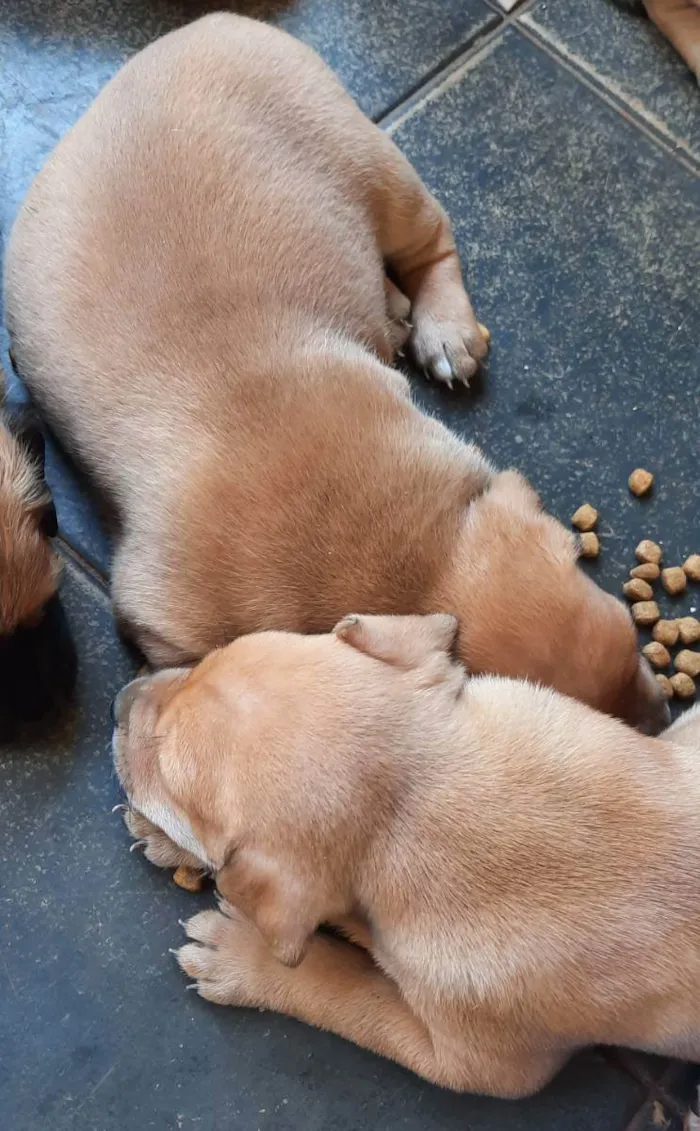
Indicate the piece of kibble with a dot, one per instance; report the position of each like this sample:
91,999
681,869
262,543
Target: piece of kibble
688,629
191,879
648,571
645,613
637,590
666,632
665,685
590,546
640,481
691,567
648,551
484,332
673,580
585,517
683,686
688,662
657,655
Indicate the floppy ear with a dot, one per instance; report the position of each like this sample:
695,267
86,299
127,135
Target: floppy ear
404,641
513,489
284,907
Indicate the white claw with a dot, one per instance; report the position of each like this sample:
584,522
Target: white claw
137,844
443,370
121,807
192,986
182,923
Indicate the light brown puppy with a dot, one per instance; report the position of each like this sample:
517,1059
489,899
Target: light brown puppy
679,20
196,293
524,871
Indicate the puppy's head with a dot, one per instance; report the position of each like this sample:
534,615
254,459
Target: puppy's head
276,760
37,658
526,609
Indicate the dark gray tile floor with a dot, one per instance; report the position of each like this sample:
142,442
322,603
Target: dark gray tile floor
564,139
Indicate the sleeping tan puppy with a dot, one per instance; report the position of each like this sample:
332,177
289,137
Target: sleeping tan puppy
524,871
196,293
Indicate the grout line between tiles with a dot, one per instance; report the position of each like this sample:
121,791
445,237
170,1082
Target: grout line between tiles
497,20
449,74
651,127
72,555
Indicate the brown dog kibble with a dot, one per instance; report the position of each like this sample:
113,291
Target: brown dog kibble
665,685
640,481
188,878
688,662
666,632
688,629
657,654
683,686
637,590
648,571
691,567
673,580
590,545
648,551
585,517
645,613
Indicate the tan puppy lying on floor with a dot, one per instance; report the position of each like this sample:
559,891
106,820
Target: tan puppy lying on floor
196,294
524,870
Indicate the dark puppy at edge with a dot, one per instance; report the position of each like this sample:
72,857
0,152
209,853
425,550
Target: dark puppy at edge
37,654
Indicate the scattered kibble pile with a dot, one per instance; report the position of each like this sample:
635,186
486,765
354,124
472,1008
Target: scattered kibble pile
638,589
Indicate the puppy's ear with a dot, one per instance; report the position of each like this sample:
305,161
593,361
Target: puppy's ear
513,489
282,905
25,427
405,642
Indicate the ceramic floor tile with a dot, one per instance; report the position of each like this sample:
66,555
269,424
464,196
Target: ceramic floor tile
62,53
579,238
381,49
627,55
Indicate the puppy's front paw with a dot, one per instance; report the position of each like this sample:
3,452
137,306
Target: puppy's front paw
157,847
448,349
226,958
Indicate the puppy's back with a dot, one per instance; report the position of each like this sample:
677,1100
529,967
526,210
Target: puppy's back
159,253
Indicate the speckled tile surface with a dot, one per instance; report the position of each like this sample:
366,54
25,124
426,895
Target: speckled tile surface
627,55
581,240
405,42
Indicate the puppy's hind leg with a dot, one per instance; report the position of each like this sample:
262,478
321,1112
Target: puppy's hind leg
338,987
398,308
416,241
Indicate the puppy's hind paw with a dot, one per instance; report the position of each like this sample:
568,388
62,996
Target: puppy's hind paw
448,351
